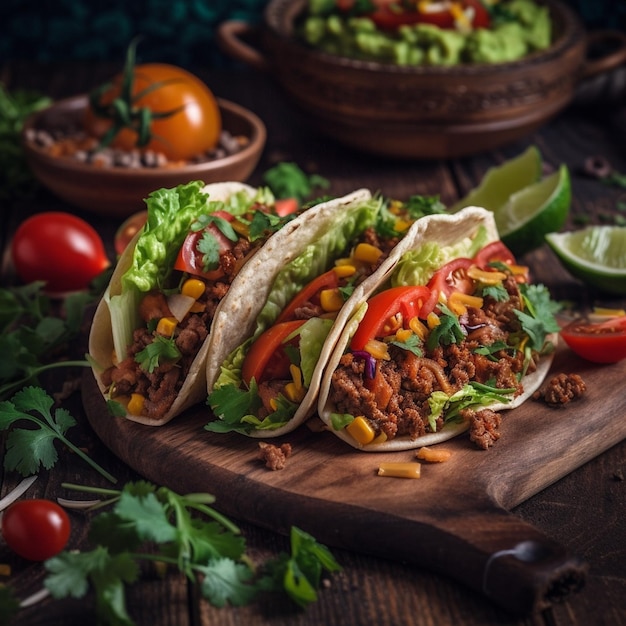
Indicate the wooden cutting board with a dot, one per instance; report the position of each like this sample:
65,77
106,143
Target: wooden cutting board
454,520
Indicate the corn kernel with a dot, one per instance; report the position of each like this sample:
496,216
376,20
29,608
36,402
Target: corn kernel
418,327
367,253
402,225
432,320
166,326
360,429
193,287
135,404
345,269
400,470
331,300
377,349
403,334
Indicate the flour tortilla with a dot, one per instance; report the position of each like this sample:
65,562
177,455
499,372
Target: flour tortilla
446,230
236,313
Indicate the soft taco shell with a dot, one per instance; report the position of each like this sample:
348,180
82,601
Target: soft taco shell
101,349
445,230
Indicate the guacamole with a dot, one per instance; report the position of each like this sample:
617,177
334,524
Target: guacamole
517,28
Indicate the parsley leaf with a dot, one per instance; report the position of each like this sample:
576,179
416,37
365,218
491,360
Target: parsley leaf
29,448
161,347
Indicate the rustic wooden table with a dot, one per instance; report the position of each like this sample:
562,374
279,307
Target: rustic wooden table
585,511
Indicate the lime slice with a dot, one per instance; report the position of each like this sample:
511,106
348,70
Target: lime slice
502,181
530,214
596,255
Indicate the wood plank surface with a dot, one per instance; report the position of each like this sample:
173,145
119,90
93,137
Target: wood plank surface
453,520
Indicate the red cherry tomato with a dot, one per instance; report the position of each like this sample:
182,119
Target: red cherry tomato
59,248
286,206
601,342
195,126
452,277
310,293
492,253
189,258
408,301
35,529
128,230
266,358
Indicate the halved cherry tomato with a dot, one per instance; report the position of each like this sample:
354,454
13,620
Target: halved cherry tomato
192,129
494,252
266,358
409,301
35,529
310,293
452,277
189,258
601,342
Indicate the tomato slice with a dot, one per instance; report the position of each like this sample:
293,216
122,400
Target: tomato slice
286,206
310,293
452,277
492,253
189,258
602,342
409,301
267,358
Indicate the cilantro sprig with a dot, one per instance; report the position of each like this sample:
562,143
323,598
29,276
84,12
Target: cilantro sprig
149,523
288,180
537,319
27,449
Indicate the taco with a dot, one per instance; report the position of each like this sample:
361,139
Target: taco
154,329
267,385
452,328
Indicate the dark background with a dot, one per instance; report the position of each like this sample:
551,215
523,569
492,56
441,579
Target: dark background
181,32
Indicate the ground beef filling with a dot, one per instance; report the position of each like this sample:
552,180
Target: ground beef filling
395,400
161,386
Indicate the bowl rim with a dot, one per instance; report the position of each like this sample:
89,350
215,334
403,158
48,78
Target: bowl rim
573,29
257,141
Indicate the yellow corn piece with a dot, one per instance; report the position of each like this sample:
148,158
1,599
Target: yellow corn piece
402,225
166,326
380,438
293,393
345,269
433,455
359,428
378,349
400,470
432,320
367,253
403,334
330,299
418,327
458,302
135,404
484,276
193,288
273,404
296,375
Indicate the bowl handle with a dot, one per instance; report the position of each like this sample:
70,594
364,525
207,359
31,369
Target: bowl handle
230,37
610,61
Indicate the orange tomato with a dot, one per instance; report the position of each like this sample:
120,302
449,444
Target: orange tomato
194,127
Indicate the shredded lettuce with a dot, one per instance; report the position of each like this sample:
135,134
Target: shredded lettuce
417,266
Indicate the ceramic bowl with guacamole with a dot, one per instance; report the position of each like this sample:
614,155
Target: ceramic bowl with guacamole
423,78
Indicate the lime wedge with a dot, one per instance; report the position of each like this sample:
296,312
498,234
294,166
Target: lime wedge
596,255
533,212
502,181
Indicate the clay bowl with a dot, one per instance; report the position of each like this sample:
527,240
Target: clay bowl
420,112
117,191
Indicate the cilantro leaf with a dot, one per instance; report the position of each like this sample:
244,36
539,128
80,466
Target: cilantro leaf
30,448
161,348
227,582
288,180
209,246
538,319
497,292
263,223
447,332
231,404
412,344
